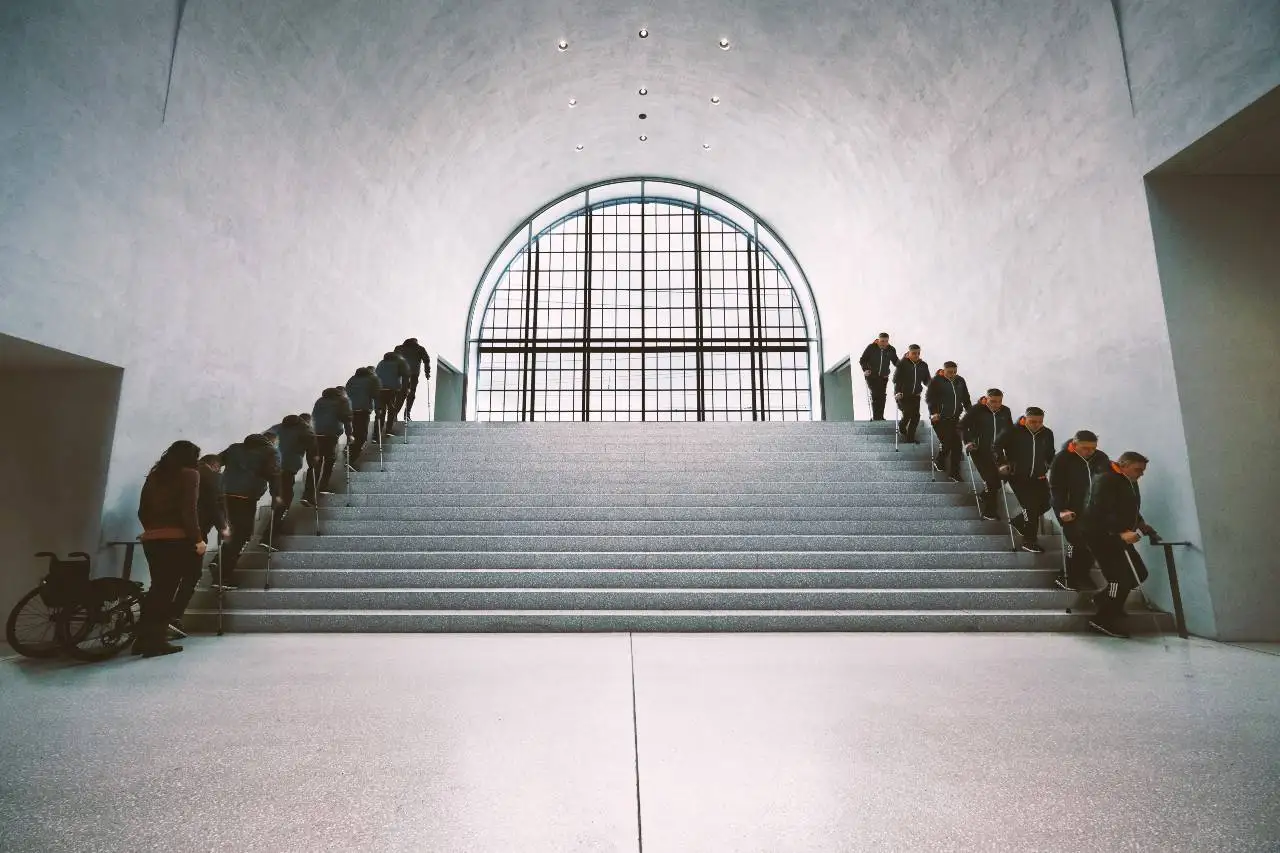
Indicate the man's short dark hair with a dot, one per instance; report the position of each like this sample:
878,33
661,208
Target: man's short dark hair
1035,411
915,347
946,364
1086,435
1130,456
211,459
305,417
994,392
883,335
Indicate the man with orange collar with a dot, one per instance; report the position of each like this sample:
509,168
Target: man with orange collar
947,397
1070,485
1113,524
1025,453
876,360
979,429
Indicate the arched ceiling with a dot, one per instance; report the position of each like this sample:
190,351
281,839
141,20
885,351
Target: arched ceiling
453,119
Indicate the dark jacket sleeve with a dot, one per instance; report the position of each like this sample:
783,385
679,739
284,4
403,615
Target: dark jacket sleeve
1000,446
965,402
931,396
1104,511
1048,452
189,494
1059,486
213,508
893,356
269,470
865,361
426,363
902,379
344,412
967,428
309,446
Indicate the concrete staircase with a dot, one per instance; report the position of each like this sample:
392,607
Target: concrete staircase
648,527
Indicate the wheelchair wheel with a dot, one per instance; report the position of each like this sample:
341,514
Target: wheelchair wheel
103,625
32,629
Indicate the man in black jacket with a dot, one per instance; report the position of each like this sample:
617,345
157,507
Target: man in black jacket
362,391
419,361
330,420
947,397
1113,524
252,468
877,359
211,513
979,429
1070,484
1025,453
909,380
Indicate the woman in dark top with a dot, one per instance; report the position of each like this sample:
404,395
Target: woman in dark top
171,539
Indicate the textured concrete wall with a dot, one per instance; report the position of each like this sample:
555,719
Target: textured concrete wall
1219,265
1193,64
54,445
332,177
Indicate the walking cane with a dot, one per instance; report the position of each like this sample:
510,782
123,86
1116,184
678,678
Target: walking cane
1004,494
220,592
933,456
315,490
271,534
897,422
973,483
1155,614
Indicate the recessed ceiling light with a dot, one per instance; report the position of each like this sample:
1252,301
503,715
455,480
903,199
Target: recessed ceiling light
644,34
706,146
563,45
643,90
644,116
578,147
644,138
573,102
715,99
724,44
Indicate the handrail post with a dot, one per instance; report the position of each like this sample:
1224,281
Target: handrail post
1179,617
127,572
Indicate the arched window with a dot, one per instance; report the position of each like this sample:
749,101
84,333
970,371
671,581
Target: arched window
643,300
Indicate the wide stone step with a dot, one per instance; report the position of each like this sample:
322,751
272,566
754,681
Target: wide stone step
774,514
430,455
683,621
605,477
729,491
749,469
940,495
383,571
708,443
569,598
800,527
762,543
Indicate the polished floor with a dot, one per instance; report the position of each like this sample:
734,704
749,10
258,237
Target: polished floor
529,743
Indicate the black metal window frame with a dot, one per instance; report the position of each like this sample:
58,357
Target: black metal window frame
615,311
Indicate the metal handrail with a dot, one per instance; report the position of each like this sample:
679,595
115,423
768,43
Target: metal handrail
1179,617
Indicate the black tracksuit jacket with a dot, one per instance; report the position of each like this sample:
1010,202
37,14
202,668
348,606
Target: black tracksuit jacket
1071,479
982,426
948,398
1027,454
1115,505
877,360
910,378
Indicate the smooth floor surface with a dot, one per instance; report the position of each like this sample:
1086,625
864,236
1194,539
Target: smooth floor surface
525,743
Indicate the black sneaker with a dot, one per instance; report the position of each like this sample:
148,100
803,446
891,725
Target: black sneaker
176,632
988,515
1109,629
1018,524
308,503
937,466
224,587
160,649
1032,548
955,478
1063,583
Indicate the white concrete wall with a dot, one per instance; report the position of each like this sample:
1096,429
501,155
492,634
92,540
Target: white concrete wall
55,441
967,175
1219,266
1195,63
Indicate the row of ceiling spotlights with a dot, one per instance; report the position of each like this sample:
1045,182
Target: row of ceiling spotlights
706,146
563,44
715,99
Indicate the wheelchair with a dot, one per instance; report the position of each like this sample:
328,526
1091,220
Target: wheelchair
91,619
